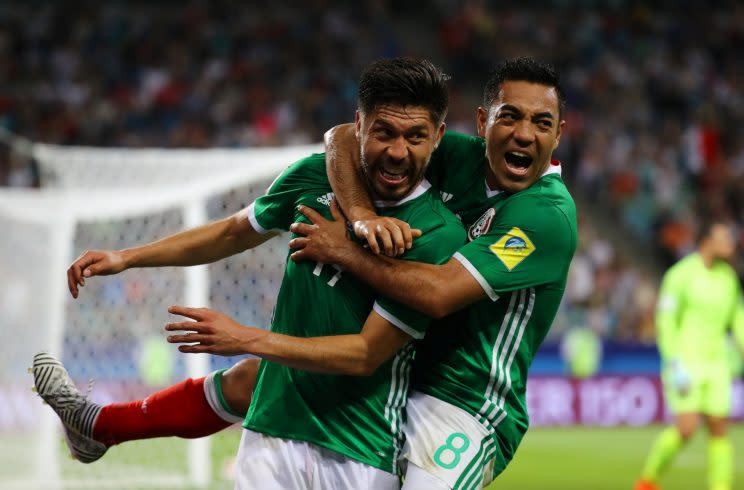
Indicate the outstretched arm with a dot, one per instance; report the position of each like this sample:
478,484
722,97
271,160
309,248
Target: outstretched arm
201,245
355,355
435,290
390,235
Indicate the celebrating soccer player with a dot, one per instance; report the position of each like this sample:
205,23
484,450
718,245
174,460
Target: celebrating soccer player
467,411
700,299
467,414
311,425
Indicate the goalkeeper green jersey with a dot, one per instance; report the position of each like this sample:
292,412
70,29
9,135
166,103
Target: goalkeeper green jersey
697,305
520,250
359,417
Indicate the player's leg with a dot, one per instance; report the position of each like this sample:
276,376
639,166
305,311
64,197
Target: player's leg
717,408
449,444
665,448
418,479
334,471
686,405
274,463
192,408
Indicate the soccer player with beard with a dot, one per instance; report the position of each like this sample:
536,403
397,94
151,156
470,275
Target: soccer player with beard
520,126
467,411
328,401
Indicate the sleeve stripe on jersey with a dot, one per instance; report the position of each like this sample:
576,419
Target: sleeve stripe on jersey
397,322
477,275
251,212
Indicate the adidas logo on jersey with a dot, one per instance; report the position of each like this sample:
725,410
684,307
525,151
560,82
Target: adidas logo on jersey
446,196
326,199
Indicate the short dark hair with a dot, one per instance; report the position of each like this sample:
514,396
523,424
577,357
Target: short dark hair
523,69
705,229
404,82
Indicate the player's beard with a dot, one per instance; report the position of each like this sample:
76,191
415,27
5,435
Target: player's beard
368,172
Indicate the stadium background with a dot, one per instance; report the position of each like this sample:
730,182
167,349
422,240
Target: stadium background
654,145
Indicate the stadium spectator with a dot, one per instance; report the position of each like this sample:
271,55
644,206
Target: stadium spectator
655,94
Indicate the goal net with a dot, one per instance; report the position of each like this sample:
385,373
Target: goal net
95,198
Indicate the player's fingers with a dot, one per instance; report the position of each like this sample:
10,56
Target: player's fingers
336,212
298,243
83,264
302,228
185,326
194,313
189,338
311,214
415,232
399,242
194,349
362,232
72,286
407,236
387,242
299,256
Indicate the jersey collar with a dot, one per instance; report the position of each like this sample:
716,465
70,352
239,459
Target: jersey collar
417,191
553,168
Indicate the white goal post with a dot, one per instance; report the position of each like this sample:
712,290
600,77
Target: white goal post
113,198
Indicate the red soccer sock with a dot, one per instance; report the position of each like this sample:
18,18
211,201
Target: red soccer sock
180,410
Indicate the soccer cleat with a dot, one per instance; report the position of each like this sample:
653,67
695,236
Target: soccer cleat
54,385
84,449
646,485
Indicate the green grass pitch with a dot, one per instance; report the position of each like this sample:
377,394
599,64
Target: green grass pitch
555,459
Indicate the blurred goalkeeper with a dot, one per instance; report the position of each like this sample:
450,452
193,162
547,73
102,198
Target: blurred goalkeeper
700,299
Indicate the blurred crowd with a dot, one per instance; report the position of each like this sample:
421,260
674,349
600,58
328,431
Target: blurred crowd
654,140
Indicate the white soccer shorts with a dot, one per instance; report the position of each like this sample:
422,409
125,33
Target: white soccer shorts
273,463
446,442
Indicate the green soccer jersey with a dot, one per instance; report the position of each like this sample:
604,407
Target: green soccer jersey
477,359
458,172
359,417
697,305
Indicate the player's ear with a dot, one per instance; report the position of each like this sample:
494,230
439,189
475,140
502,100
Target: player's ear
358,124
561,126
440,133
481,119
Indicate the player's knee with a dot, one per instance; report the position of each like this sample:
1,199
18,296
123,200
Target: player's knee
238,383
686,432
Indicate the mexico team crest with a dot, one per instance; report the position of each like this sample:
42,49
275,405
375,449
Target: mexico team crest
481,226
513,248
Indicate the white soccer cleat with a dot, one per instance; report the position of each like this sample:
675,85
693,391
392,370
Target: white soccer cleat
84,449
54,385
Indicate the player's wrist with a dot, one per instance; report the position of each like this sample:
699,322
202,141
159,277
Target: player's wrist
128,258
359,214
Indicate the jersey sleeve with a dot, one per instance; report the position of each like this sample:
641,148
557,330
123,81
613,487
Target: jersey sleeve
668,307
453,151
274,211
434,247
529,243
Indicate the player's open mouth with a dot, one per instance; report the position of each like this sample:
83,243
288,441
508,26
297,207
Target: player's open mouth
392,177
518,162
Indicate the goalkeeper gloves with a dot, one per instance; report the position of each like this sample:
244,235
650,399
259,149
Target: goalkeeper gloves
680,377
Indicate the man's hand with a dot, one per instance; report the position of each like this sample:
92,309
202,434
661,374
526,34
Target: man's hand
211,332
93,263
681,379
324,241
390,235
